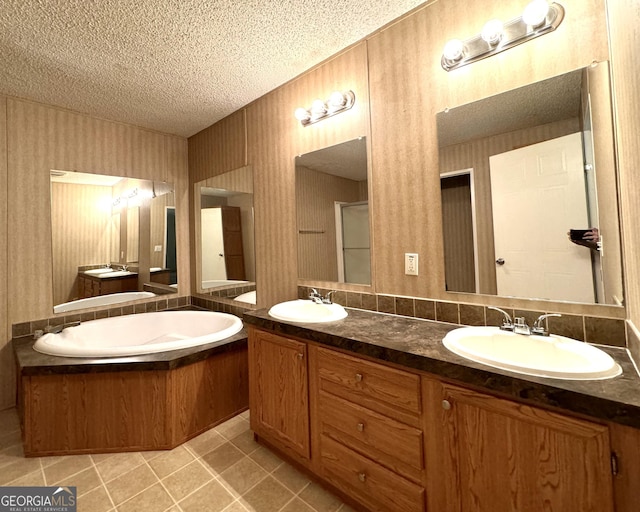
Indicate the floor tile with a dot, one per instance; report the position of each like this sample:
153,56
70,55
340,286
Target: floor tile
319,499
245,442
205,442
186,480
236,506
291,478
233,427
165,464
118,464
17,469
35,479
153,499
222,457
268,496
212,497
84,481
267,459
95,501
242,475
66,467
11,454
131,483
297,505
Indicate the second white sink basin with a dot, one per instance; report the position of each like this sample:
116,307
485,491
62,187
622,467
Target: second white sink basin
307,311
95,271
542,356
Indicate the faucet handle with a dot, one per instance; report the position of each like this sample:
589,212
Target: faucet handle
315,296
538,327
327,298
507,324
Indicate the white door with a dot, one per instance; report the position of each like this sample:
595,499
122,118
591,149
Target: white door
213,267
538,194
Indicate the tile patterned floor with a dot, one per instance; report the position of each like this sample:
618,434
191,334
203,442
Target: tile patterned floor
222,470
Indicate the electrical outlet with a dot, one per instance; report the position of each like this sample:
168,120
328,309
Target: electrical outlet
157,248
410,263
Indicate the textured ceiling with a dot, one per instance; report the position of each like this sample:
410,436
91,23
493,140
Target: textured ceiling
176,66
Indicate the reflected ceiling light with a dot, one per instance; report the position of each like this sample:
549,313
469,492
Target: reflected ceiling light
338,102
539,18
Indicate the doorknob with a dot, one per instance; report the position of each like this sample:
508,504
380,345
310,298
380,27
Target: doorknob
500,261
220,254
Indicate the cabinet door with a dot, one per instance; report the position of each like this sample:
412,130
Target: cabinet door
279,395
513,457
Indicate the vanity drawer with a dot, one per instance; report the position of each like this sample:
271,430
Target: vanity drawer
375,386
393,444
371,484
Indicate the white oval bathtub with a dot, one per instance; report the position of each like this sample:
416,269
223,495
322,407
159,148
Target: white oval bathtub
101,300
144,333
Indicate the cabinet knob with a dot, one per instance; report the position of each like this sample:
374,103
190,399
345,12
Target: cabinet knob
446,405
360,427
300,355
358,377
362,477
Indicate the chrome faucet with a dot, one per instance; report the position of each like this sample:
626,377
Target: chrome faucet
124,267
507,324
53,329
316,297
538,325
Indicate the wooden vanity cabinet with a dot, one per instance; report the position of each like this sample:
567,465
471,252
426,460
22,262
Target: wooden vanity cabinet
93,286
497,455
279,393
406,441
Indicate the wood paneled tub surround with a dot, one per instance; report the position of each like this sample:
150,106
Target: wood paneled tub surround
151,402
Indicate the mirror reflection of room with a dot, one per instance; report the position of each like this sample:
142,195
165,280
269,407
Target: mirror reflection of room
333,214
98,223
227,255
519,171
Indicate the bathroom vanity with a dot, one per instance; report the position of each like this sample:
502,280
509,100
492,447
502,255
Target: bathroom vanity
94,285
376,408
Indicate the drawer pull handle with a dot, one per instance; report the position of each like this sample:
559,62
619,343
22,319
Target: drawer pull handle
362,477
359,377
446,405
360,427
300,355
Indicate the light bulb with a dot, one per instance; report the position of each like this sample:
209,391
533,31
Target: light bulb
453,50
535,14
492,32
337,100
301,114
318,107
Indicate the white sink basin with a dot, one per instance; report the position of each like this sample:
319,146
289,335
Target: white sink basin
542,356
95,271
117,273
307,311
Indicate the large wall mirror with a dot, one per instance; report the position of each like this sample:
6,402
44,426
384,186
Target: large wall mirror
97,225
225,235
529,192
333,214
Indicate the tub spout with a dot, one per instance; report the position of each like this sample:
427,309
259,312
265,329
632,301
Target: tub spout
56,329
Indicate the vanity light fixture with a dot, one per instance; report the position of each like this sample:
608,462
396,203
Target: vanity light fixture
538,18
338,102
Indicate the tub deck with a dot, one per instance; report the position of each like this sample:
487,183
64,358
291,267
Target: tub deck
147,402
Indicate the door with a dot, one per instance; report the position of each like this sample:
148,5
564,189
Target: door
170,258
511,457
232,240
353,243
213,265
538,194
278,388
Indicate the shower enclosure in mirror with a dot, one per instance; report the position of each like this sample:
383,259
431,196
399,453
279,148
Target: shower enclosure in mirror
518,172
97,224
333,214
225,235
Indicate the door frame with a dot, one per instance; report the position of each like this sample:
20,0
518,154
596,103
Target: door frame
470,172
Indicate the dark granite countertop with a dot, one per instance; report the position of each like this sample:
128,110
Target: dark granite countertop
417,344
31,362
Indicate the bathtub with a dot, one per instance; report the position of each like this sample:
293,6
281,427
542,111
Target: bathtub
101,300
249,297
144,333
